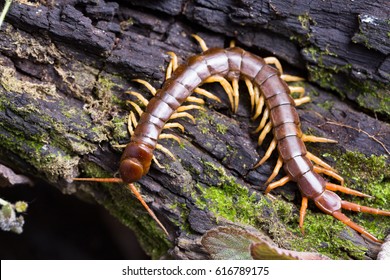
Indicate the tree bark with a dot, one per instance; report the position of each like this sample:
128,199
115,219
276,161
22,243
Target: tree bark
65,68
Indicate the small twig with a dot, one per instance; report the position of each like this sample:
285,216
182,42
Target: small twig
5,11
361,131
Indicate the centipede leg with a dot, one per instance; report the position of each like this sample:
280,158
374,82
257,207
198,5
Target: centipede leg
263,121
259,108
319,161
140,97
277,184
236,94
299,90
171,66
201,42
359,208
183,115
274,61
174,125
302,213
251,91
195,100
347,221
169,136
268,153
312,138
226,86
147,85
290,78
334,187
165,151
206,93
330,173
276,170
303,100
189,107
264,133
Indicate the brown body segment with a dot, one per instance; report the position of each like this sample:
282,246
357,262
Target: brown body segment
233,64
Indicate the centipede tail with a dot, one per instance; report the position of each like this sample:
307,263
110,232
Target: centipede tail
270,96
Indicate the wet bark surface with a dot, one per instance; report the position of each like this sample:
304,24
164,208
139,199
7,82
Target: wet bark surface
65,68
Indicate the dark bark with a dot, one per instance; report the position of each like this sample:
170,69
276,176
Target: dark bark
65,68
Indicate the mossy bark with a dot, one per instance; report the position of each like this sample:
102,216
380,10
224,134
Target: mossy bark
64,71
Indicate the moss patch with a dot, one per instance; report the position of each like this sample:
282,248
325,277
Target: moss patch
370,175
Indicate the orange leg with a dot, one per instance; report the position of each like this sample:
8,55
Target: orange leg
276,170
359,208
334,187
341,217
276,184
330,173
302,213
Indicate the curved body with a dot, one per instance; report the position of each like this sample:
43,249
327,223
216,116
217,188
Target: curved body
234,64
230,63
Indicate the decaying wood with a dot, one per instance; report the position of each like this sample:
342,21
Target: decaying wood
64,70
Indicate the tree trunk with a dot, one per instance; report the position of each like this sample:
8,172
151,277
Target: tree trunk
65,68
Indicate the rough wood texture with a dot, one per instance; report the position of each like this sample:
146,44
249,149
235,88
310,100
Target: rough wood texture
65,67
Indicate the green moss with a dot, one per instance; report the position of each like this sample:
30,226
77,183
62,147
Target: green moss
221,128
369,175
228,199
327,105
306,21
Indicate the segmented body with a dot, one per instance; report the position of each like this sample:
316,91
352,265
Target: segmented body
230,63
233,64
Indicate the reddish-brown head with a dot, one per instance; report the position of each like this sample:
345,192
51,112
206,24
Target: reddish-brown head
135,162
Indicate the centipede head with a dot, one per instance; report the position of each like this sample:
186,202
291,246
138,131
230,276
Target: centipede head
135,162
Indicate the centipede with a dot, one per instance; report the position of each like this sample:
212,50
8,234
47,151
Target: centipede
270,97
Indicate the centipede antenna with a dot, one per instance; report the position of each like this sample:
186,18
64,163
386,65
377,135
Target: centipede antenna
151,213
100,180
